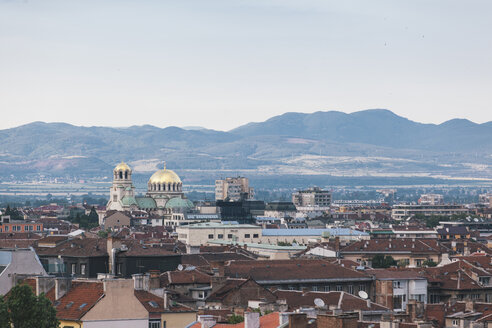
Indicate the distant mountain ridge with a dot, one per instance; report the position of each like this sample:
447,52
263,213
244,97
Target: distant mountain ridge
321,142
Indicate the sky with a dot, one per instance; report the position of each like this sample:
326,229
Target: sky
223,63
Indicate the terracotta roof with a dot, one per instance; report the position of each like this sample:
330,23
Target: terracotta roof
81,297
454,276
155,304
205,259
18,239
398,245
76,248
344,301
185,277
300,269
135,248
394,274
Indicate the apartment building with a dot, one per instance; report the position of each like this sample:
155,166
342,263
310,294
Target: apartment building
233,189
312,197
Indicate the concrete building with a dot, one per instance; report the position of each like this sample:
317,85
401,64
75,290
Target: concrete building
271,252
16,264
395,288
312,197
233,189
431,199
201,233
400,212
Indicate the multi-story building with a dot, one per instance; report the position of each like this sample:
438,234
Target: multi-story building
233,189
8,225
431,199
201,233
313,197
400,212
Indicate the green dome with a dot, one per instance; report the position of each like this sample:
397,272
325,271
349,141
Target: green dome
179,203
128,201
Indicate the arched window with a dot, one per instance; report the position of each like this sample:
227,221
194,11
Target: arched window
159,187
121,175
126,174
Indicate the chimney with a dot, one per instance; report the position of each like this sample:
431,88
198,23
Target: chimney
154,282
251,320
165,297
337,246
469,305
206,321
298,320
62,286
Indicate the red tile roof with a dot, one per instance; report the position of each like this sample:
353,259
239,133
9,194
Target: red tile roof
155,304
81,297
345,301
301,269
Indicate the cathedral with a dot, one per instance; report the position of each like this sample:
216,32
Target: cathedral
163,186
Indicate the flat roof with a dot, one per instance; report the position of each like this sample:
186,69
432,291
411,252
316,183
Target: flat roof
257,245
313,232
223,224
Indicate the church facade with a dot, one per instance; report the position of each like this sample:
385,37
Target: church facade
162,186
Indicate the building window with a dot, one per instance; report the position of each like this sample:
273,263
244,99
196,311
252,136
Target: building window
255,235
74,268
350,289
82,269
455,323
396,284
362,288
220,236
155,324
418,297
247,235
315,288
6,228
38,228
211,236
339,288
327,288
433,299
229,236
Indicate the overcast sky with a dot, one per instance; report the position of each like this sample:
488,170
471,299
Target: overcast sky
220,64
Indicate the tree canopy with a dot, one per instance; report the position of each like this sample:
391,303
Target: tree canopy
23,309
381,261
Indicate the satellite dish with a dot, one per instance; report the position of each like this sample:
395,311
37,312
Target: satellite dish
363,294
180,267
319,302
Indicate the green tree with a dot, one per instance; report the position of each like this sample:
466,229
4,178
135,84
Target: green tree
4,314
233,319
429,263
26,310
381,261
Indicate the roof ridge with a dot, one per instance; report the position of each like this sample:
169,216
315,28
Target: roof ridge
340,300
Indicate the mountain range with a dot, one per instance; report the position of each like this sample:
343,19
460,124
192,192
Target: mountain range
373,142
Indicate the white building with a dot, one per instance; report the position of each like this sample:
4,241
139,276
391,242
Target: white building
201,233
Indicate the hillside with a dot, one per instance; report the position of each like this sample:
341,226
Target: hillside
366,143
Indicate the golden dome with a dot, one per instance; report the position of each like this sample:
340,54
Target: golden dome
164,176
122,167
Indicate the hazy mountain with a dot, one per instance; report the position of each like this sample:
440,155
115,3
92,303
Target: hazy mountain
370,142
